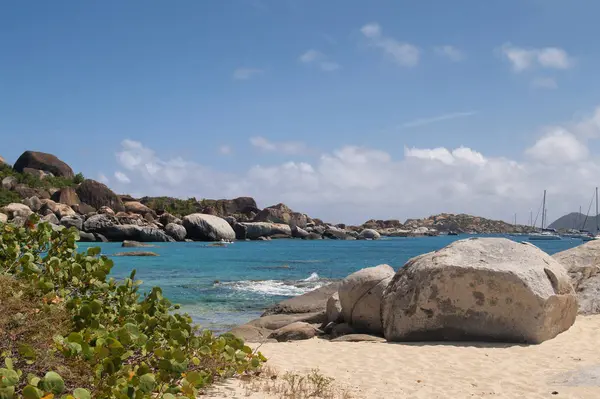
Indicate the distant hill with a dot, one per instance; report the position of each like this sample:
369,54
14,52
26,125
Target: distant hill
575,221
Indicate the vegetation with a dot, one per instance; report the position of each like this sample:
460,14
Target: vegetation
7,197
71,330
35,182
174,206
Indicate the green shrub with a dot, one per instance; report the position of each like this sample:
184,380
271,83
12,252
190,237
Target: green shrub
7,197
35,182
174,206
134,346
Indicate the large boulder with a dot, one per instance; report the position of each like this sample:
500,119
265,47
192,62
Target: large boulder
333,309
254,230
151,234
294,332
51,218
83,209
583,265
34,203
491,289
16,210
369,234
335,233
98,195
243,207
298,232
39,174
361,294
137,207
60,210
72,221
312,302
177,231
9,182
43,161
109,227
66,195
167,218
281,213
131,218
203,227
25,191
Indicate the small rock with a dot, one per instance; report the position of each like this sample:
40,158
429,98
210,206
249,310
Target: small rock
358,338
136,253
51,218
134,244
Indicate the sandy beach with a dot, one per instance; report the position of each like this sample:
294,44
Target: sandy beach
567,366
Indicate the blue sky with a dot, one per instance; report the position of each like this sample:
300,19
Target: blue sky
259,97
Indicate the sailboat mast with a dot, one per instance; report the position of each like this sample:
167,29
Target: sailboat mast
544,210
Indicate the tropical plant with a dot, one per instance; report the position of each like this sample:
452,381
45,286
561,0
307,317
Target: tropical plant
114,341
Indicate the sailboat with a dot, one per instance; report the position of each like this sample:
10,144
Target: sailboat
544,234
590,237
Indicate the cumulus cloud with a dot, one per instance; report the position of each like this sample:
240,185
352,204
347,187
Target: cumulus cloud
284,147
404,54
522,59
560,147
314,57
246,73
450,52
352,184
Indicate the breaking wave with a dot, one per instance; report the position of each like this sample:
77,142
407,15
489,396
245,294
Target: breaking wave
277,287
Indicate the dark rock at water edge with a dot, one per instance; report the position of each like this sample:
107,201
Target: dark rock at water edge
136,253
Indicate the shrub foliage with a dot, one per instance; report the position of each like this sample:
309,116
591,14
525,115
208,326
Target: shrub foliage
114,341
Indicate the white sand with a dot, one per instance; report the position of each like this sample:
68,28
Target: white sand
568,364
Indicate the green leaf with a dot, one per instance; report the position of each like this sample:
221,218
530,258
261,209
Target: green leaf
53,382
7,393
31,392
147,383
80,393
26,351
8,378
9,363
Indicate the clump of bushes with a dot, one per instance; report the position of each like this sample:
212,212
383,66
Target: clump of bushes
35,182
72,330
174,206
7,197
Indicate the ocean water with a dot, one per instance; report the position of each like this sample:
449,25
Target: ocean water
221,287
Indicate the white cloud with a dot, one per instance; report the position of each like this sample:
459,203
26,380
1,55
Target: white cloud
314,57
523,59
284,147
558,146
404,54
225,150
352,184
438,118
122,177
544,83
450,52
246,73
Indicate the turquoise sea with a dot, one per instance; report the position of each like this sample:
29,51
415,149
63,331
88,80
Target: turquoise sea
221,287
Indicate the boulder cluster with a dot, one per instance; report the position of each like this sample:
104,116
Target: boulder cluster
482,289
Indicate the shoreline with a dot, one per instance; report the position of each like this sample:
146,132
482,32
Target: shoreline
567,366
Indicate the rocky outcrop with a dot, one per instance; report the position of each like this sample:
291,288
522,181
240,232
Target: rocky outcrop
336,233
135,244
177,231
241,207
83,209
66,195
382,224
312,302
281,213
203,227
51,218
25,191
361,294
34,203
166,218
60,210
38,174
491,289
43,161
583,265
98,195
255,230
463,223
